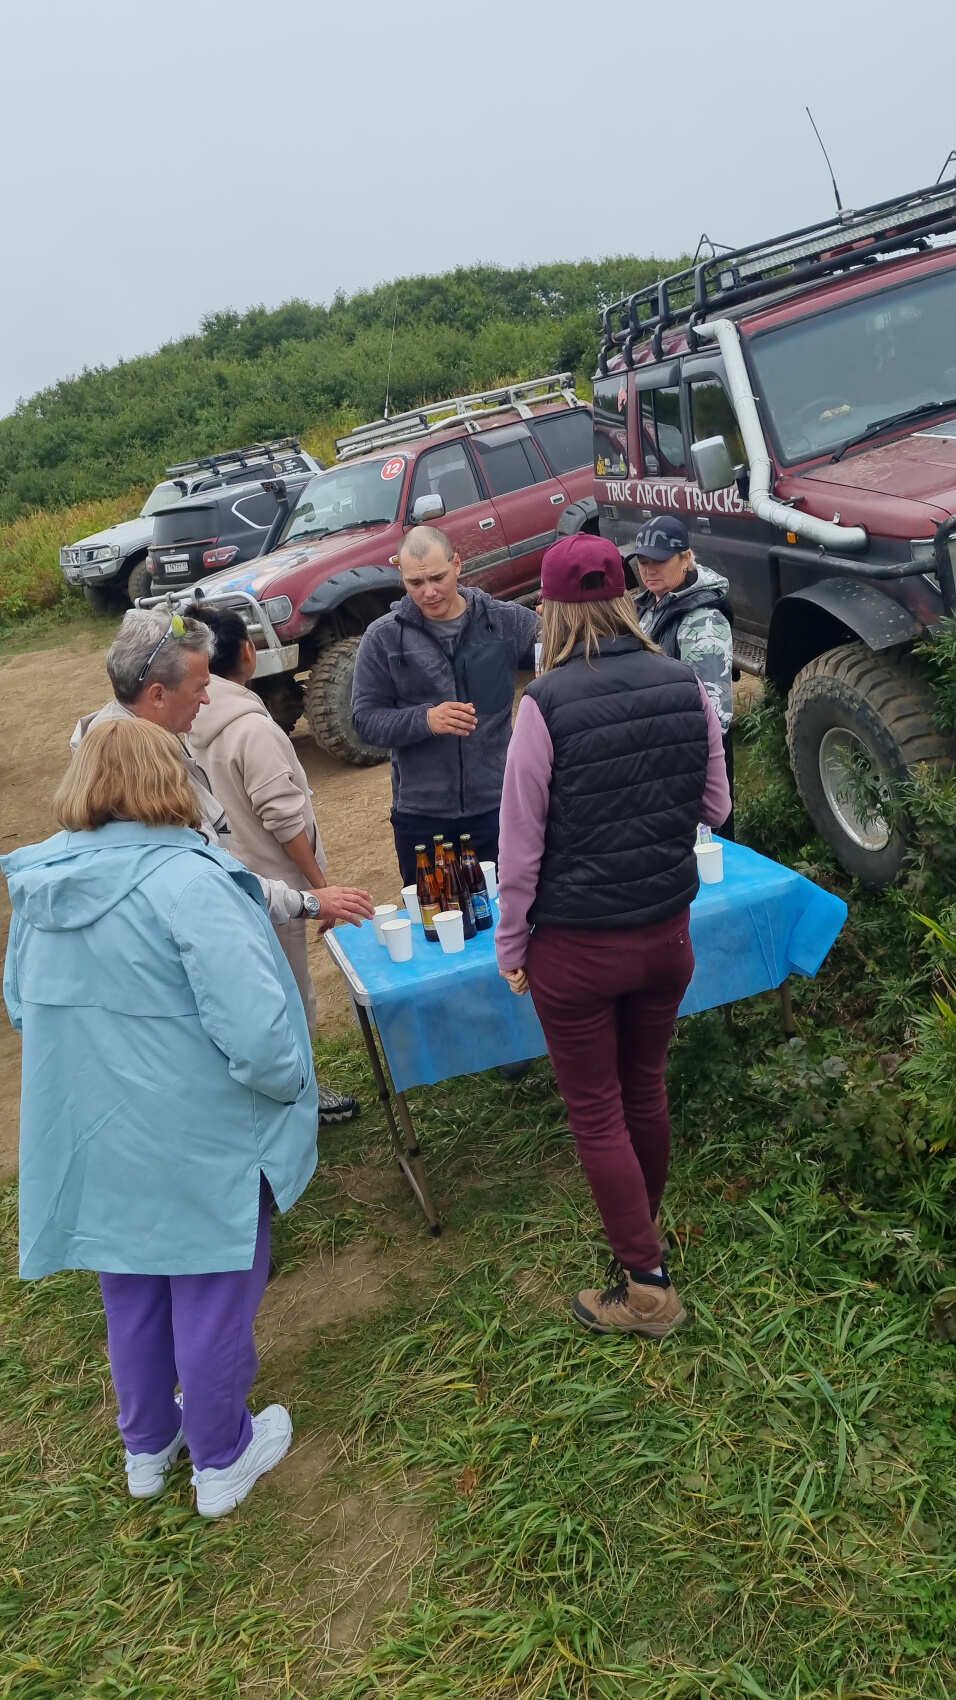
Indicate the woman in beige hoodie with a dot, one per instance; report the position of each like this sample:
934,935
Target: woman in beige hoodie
254,771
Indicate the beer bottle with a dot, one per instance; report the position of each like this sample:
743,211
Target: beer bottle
457,895
428,899
438,863
475,880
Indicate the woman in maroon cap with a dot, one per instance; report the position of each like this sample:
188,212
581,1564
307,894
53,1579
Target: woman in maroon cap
616,756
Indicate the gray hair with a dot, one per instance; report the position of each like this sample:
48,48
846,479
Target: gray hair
421,539
142,629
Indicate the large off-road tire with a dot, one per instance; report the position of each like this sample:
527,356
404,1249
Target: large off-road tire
855,723
328,705
284,697
102,598
140,581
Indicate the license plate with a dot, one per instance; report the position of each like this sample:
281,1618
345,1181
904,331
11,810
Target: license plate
177,566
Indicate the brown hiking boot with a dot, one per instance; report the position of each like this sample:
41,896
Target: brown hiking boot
630,1307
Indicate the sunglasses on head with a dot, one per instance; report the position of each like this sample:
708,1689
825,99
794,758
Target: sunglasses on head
176,629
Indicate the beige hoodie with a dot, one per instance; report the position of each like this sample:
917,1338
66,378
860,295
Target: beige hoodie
256,775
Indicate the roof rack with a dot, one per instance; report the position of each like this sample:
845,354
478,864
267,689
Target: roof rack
239,457
467,409
841,242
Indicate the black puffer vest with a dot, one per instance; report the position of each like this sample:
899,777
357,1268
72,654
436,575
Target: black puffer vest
629,735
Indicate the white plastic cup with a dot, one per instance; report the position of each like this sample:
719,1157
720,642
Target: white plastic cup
491,878
383,912
398,939
451,930
710,862
410,902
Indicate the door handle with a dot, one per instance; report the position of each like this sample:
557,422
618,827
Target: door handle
556,500
485,524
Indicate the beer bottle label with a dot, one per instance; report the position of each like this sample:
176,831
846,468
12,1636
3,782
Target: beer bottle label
429,911
481,904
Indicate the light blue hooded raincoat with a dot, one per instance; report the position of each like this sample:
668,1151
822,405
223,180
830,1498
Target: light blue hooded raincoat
166,1056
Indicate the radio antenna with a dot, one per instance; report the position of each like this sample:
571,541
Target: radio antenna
827,158
388,370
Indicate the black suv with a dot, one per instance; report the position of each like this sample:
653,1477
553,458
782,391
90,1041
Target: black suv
220,528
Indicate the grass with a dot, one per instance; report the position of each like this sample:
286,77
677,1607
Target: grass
30,577
762,1506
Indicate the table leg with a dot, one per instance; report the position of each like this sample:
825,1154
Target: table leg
407,1151
786,1012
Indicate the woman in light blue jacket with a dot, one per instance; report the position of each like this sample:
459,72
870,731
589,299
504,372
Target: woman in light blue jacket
168,1100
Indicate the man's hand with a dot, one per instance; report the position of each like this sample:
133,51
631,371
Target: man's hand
517,980
344,903
456,718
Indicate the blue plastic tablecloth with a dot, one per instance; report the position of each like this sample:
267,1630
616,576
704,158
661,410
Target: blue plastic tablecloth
438,1016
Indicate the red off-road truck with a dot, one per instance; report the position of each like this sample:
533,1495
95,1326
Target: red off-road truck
494,470
795,403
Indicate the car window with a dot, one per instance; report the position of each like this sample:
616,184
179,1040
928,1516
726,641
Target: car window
661,436
509,459
712,415
565,438
446,472
257,510
610,427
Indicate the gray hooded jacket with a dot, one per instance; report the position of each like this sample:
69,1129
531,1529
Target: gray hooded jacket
402,671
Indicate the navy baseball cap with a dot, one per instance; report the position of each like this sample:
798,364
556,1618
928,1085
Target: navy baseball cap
661,537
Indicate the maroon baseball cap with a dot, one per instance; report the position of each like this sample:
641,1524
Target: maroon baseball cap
583,568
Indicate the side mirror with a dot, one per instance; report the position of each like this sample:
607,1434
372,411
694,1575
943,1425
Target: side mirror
428,508
713,467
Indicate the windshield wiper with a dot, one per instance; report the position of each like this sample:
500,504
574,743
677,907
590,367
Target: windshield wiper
891,419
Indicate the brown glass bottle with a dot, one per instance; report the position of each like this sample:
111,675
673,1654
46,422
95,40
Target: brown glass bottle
427,891
457,895
438,865
475,880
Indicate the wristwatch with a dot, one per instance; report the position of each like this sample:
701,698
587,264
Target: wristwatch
311,906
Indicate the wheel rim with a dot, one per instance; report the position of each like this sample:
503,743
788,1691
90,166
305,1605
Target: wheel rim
855,788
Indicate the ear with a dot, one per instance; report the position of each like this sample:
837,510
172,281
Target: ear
456,563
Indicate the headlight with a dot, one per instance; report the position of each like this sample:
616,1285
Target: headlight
106,552
278,609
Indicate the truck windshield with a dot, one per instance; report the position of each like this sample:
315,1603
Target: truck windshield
825,380
163,496
364,494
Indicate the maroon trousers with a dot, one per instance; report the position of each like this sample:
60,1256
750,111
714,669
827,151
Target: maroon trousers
607,1002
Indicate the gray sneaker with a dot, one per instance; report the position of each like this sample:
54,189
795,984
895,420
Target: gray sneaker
337,1106
220,1491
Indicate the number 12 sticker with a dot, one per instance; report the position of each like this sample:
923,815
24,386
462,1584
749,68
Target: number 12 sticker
392,469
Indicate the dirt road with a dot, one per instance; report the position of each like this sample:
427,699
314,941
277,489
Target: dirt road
41,695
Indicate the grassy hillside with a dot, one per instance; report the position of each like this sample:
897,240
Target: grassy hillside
80,454
246,376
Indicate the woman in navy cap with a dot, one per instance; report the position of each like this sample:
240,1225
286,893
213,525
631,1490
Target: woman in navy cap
684,608
615,757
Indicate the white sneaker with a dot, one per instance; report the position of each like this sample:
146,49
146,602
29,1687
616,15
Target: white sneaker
147,1472
220,1491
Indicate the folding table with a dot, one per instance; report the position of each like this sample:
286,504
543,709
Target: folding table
438,1016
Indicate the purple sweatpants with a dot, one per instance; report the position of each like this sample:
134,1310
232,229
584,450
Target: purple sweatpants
607,1002
197,1330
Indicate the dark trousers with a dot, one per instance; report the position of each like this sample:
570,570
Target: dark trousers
410,830
197,1330
607,1002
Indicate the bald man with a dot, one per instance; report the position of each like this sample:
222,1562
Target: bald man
434,683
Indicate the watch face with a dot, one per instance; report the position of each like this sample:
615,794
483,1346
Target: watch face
312,905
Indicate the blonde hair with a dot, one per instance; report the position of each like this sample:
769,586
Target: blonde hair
566,624
126,770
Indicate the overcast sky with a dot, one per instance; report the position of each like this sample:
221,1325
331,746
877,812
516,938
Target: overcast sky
162,161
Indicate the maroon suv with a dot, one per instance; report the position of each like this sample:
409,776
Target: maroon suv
494,470
795,403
